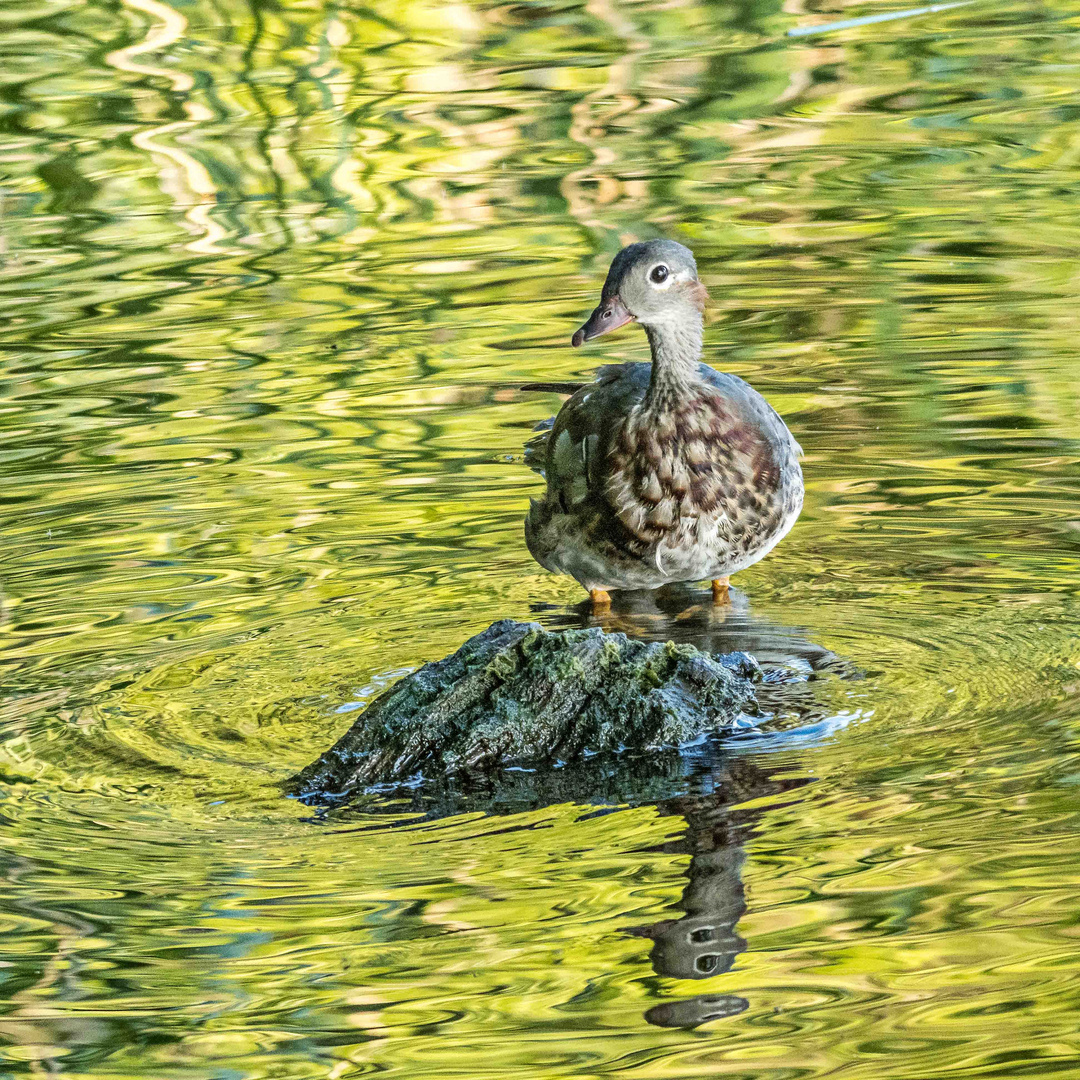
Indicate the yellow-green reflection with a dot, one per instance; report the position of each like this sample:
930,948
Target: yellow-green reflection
270,276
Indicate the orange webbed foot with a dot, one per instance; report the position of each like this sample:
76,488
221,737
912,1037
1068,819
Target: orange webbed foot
601,599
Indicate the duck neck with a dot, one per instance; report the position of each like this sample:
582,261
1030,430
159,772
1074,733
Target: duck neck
676,353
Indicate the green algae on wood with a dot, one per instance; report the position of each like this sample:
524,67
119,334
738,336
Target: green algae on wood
519,695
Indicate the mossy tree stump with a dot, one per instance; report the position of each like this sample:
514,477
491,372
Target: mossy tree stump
519,695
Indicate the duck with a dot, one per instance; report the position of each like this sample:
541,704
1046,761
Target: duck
661,472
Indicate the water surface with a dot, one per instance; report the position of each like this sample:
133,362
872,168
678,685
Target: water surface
270,277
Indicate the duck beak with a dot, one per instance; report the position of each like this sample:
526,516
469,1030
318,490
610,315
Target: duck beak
609,315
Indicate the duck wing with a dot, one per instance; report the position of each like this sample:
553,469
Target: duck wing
576,449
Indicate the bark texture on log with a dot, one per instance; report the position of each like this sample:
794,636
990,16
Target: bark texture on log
519,695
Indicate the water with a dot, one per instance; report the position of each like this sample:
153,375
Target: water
270,276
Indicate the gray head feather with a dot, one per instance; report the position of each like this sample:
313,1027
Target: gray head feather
669,252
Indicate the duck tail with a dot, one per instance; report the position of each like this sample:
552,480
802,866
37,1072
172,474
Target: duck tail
553,387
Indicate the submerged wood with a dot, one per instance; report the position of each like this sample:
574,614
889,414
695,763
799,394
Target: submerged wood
519,695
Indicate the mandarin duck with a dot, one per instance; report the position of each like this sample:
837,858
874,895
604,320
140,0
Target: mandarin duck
663,472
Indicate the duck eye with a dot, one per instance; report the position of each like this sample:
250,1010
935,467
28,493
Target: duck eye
658,274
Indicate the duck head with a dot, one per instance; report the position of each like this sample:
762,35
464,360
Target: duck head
654,283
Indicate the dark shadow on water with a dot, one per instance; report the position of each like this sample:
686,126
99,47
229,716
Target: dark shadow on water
791,663
688,614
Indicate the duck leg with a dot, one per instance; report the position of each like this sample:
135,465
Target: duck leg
720,590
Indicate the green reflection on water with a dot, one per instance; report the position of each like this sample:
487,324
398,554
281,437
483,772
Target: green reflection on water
270,276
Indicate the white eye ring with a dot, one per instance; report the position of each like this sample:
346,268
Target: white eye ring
659,274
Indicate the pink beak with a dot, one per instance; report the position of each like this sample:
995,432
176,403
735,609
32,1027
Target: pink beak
609,315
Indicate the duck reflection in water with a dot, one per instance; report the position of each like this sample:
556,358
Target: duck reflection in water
704,941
